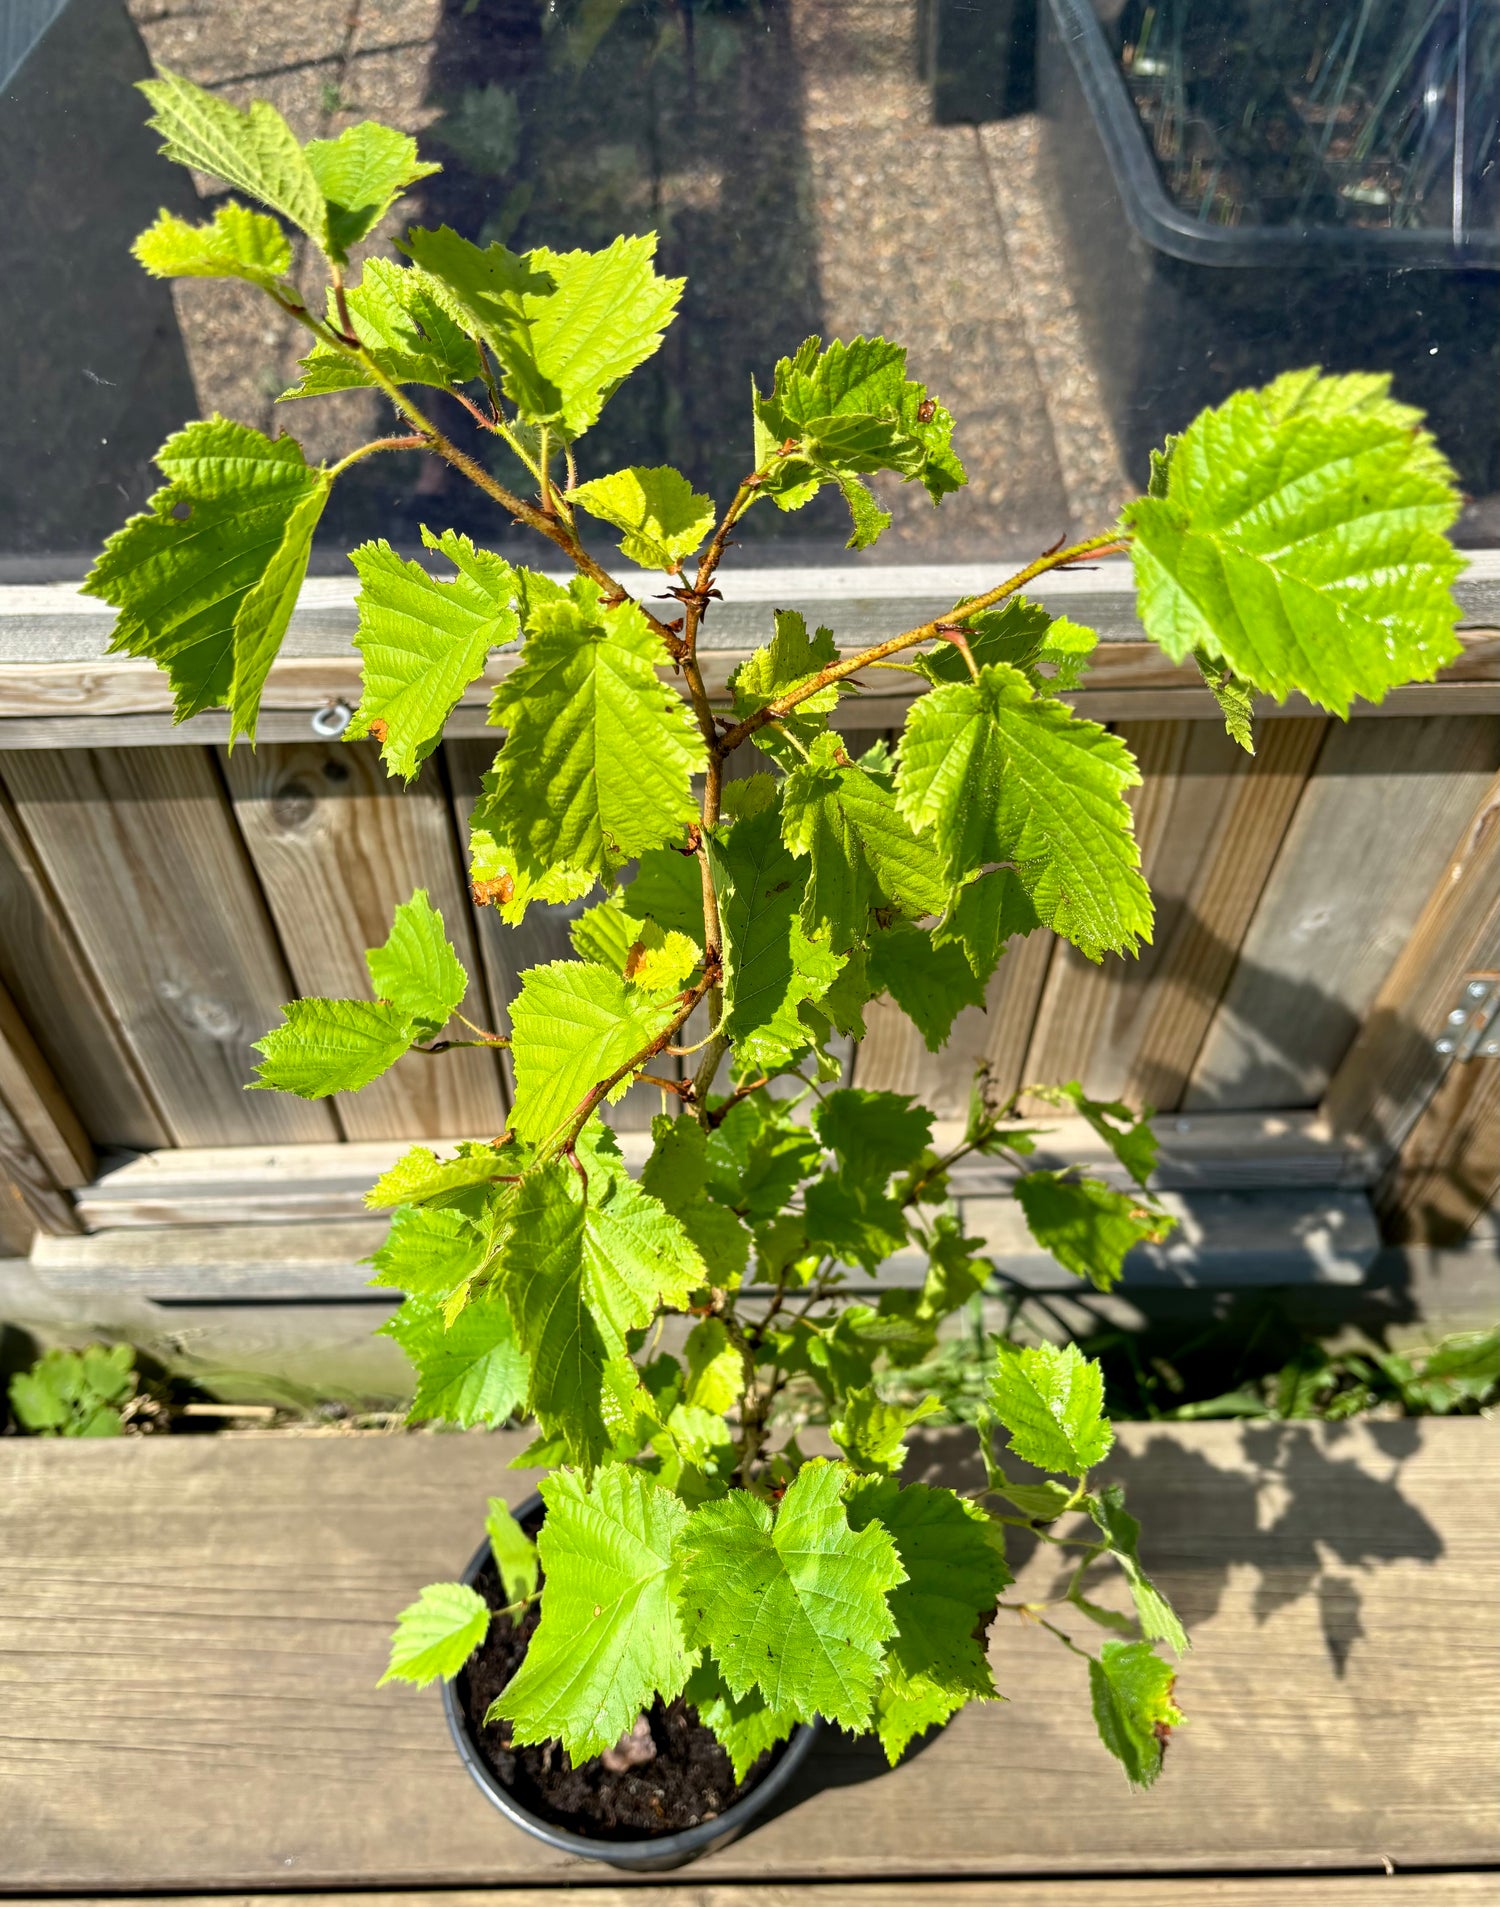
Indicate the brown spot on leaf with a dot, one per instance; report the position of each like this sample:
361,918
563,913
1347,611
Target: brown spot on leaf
634,958
927,410
379,728
499,891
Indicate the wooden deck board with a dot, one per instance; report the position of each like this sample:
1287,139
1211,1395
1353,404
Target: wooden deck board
191,1632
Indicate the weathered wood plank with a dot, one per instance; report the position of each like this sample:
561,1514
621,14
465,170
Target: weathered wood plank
60,998
1367,842
30,1088
146,862
34,1204
337,847
1393,1067
1448,1171
236,1594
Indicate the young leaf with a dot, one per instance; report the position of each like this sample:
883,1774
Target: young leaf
600,757
1236,702
567,327
954,1561
428,1252
420,1175
422,642
514,1552
795,1606
662,963
361,174
663,517
236,243
1127,1134
205,578
255,150
872,1433
786,662
744,1726
331,1046
1051,1401
1158,1619
1015,633
931,981
437,1634
1133,1709
610,1640
1300,542
1001,774
572,1025
1088,1226
469,1372
406,330
417,970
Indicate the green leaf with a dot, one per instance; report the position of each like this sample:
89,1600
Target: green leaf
255,150
1235,700
611,1639
206,577
662,963
770,964
984,916
816,826
496,875
1088,1226
331,1046
406,330
904,863
469,1372
580,1271
1158,1619
361,174
785,663
1051,1401
236,243
437,1634
600,756
514,1552
954,1560
422,642
872,1134
677,1174
572,1025
1127,1133
566,327
872,1433
744,1727
954,1275
668,888
1001,774
931,981
853,1222
420,1175
1041,1502
1132,1695
663,517
748,795
757,1155
716,1371
1300,542
428,1252
795,1606
417,970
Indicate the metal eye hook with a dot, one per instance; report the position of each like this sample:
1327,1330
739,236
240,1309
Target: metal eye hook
331,721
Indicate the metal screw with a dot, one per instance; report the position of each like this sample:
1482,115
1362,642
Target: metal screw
1477,989
1457,1016
1443,1046
330,722
1491,1049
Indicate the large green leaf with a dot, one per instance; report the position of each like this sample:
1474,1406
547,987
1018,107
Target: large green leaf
610,1640
236,243
567,327
572,1025
663,517
600,756
416,970
437,1634
406,330
420,1175
794,1605
1002,774
497,876
361,174
954,1560
331,1046
1133,1709
1051,1400
422,642
1088,1226
428,1251
930,980
205,579
472,1371
1300,541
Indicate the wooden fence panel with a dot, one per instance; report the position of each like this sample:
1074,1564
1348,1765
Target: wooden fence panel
142,852
29,1088
337,847
1369,838
1448,1171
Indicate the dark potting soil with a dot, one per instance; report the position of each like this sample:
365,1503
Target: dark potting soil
689,1781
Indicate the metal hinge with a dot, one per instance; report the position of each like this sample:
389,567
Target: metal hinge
1470,1031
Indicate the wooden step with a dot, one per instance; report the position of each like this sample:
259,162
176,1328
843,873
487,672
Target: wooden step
191,1630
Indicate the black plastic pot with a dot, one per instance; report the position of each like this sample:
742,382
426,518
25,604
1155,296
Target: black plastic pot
1179,313
647,1856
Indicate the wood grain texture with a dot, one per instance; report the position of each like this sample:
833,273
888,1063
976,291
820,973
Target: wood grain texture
34,1202
337,846
1393,1068
228,1602
145,858
63,1004
1448,1171
38,1102
1367,842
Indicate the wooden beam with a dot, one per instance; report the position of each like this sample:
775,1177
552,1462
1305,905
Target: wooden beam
33,1204
1393,1068
38,1104
1447,1173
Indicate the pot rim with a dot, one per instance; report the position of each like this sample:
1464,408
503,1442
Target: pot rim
653,1851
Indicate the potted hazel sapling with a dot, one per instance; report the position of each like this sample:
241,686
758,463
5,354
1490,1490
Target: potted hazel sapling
636,1660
